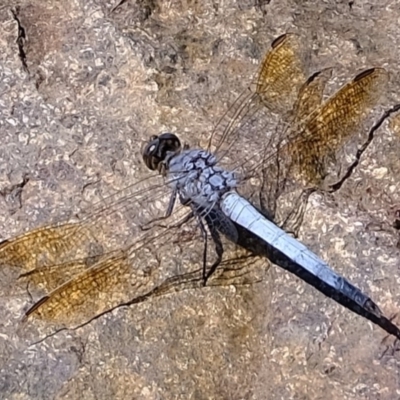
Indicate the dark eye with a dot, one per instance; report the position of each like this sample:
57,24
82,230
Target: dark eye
157,148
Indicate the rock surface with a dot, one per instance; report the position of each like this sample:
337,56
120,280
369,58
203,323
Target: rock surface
83,84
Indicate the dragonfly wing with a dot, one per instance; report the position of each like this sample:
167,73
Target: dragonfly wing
245,137
329,127
245,130
114,277
286,155
47,257
310,95
318,135
282,73
167,260
37,257
276,187
119,252
81,292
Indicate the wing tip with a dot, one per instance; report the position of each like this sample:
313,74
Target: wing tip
280,39
368,72
37,305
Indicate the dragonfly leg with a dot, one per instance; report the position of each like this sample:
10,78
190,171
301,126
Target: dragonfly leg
219,250
168,213
171,204
205,238
293,221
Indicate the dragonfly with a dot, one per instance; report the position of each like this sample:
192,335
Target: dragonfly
208,216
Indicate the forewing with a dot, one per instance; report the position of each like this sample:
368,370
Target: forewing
47,257
246,130
282,73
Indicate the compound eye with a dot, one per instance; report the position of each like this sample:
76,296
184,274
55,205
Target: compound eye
170,142
149,153
156,150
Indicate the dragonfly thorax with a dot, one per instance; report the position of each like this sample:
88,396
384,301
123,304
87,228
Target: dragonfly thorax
193,173
197,177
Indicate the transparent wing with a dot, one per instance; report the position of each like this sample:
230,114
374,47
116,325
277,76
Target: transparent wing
327,128
120,253
282,133
314,142
275,168
310,95
127,277
111,224
114,277
281,74
135,274
73,262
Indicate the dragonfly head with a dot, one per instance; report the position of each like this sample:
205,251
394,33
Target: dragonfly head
159,150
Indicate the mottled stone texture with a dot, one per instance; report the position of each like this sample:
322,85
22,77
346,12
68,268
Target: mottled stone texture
83,83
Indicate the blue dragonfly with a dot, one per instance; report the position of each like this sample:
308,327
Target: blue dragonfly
208,216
